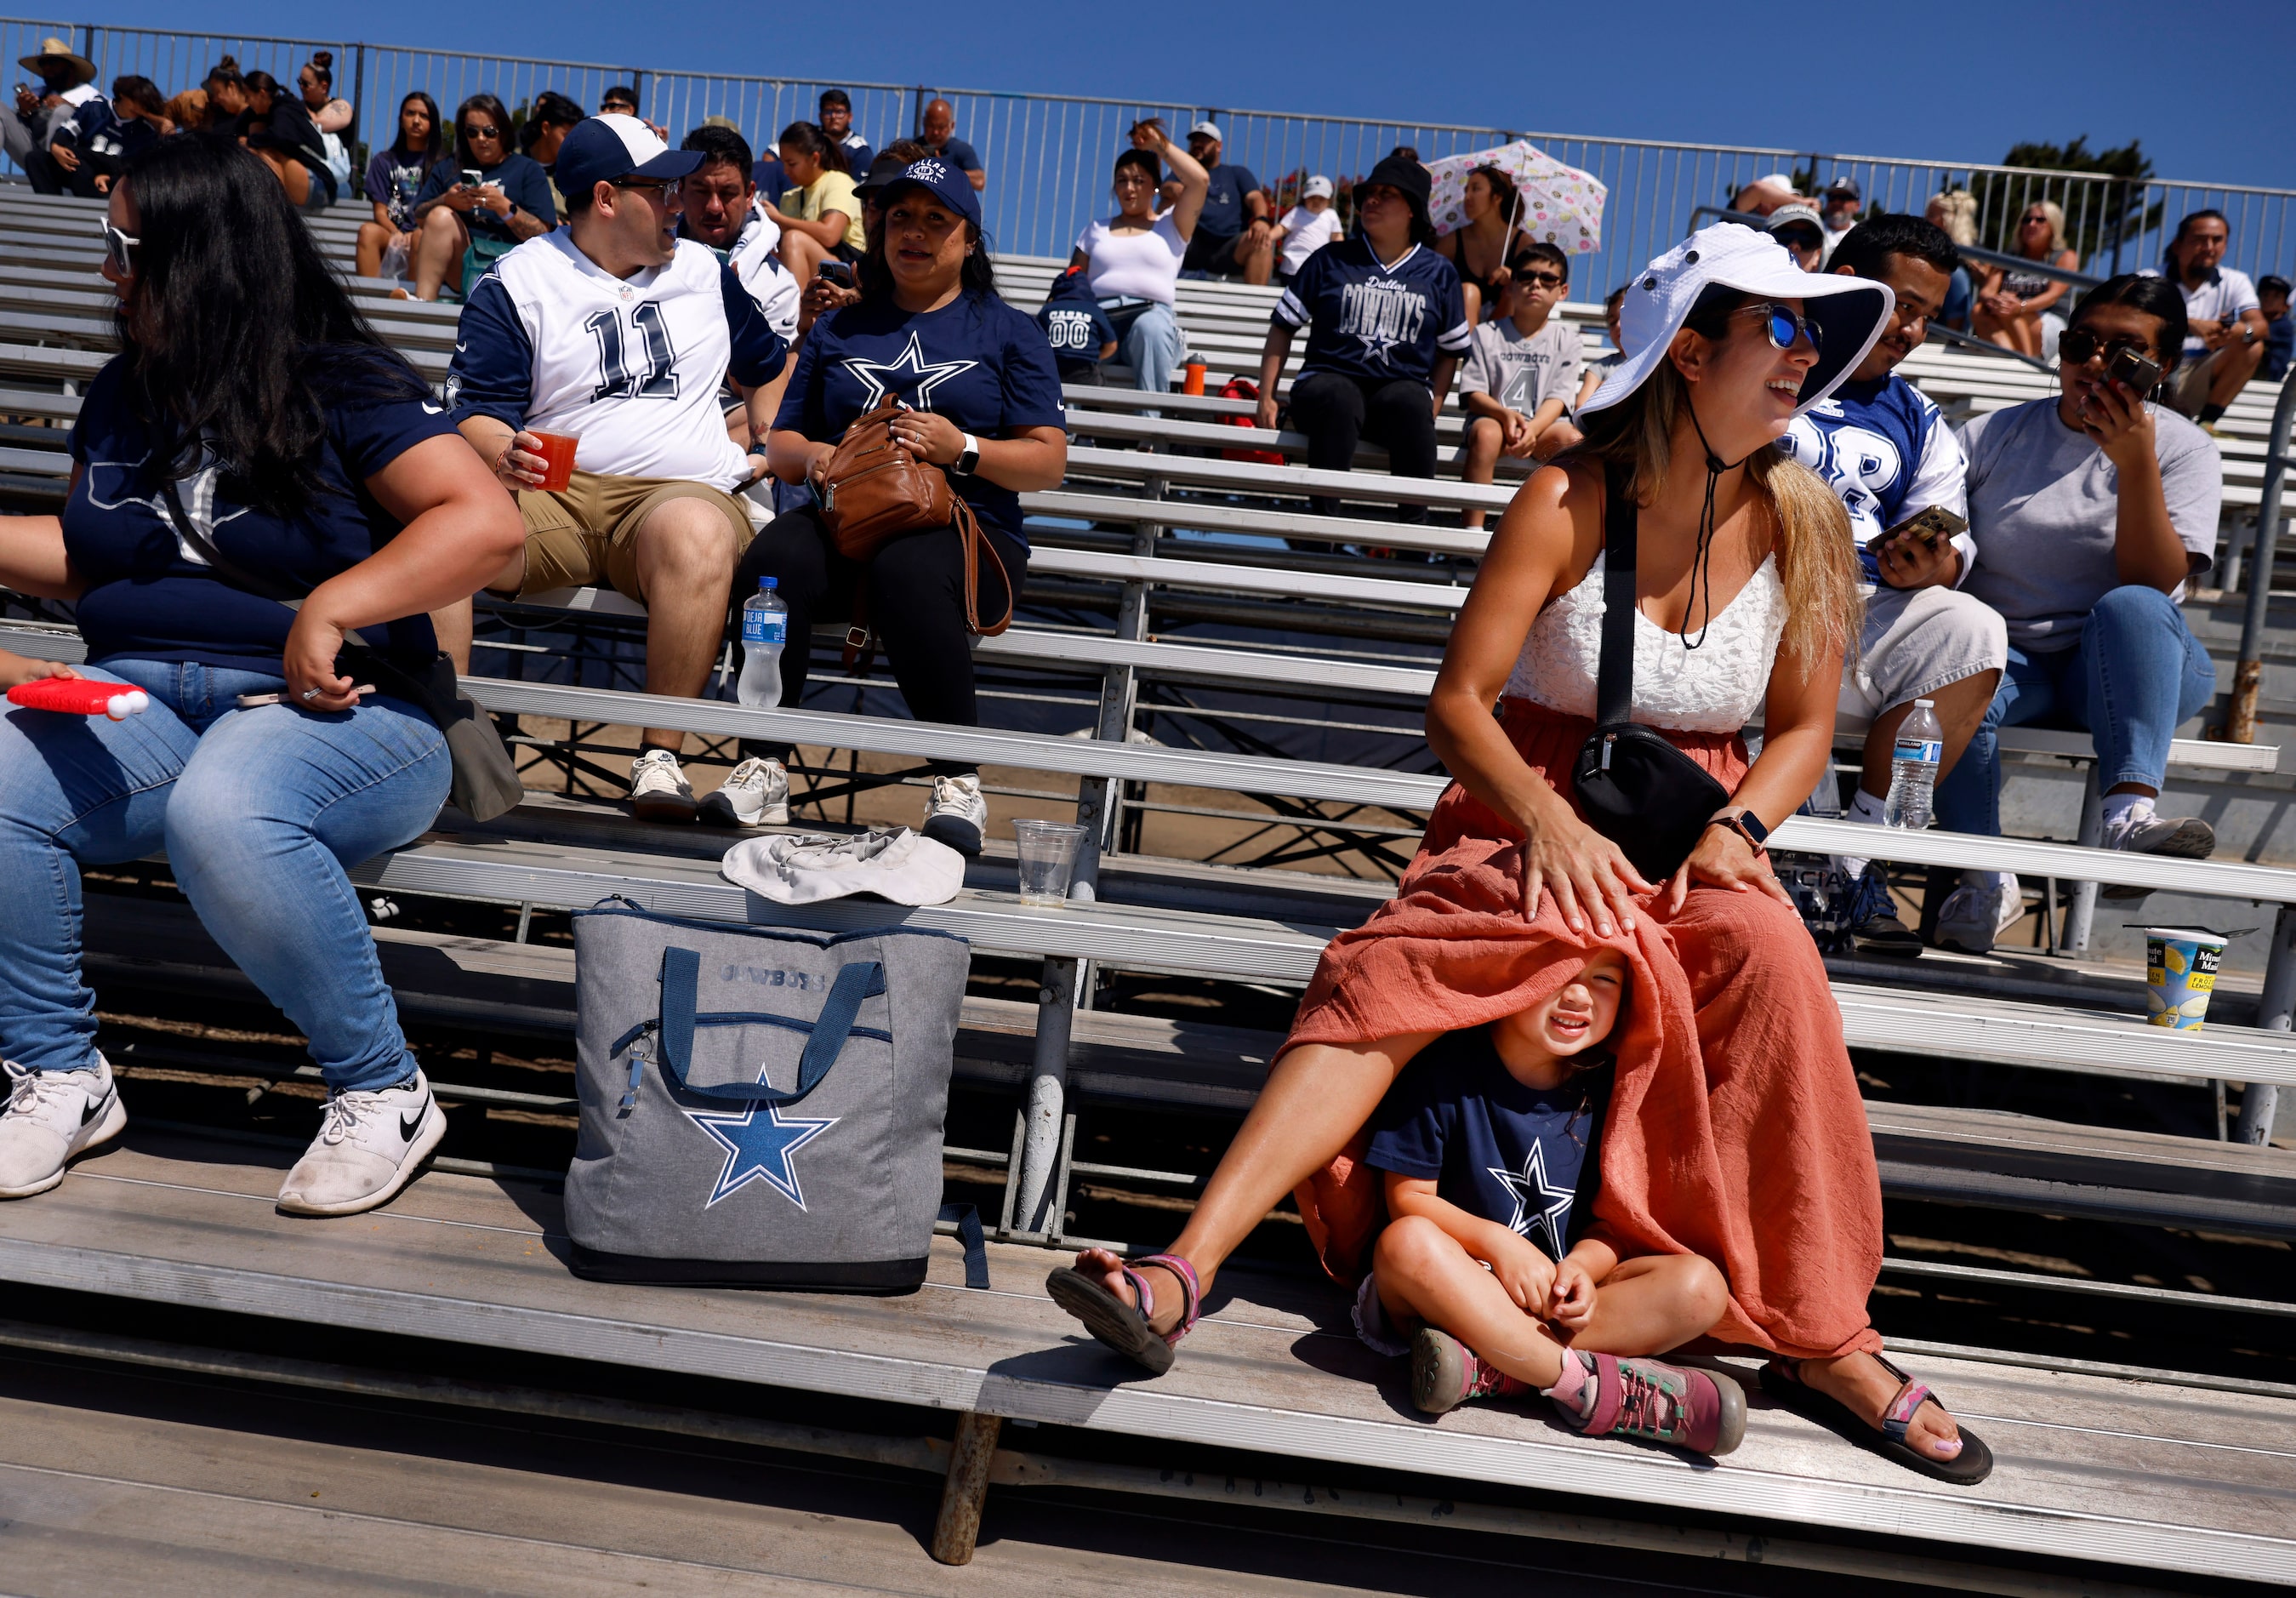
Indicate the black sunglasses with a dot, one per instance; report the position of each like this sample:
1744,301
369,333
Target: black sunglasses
2078,346
1545,280
474,132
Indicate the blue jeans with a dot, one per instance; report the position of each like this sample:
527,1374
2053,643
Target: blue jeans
2135,674
259,812
1152,346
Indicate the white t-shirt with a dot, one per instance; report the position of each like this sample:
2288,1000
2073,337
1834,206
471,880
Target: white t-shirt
2226,293
756,257
2043,505
1522,371
1305,232
1133,266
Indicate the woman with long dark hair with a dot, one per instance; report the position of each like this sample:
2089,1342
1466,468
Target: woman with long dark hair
1132,261
1486,240
1735,1131
277,127
983,401
254,440
479,207
395,175
822,221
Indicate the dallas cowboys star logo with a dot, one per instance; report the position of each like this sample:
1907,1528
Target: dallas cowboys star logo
759,1150
1377,343
1538,1207
908,375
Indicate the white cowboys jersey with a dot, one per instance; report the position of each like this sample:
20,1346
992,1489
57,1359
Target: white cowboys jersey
756,257
629,367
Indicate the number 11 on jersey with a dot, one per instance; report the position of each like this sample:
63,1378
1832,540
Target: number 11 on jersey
614,376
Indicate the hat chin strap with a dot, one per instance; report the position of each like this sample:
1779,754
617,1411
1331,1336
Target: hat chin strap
1702,564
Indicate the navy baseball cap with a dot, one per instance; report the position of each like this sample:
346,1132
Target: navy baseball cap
615,146
944,177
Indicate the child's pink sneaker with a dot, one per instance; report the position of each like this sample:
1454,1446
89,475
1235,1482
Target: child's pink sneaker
1679,1404
1445,1373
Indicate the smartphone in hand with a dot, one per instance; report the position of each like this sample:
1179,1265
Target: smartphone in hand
836,272
2138,372
1932,527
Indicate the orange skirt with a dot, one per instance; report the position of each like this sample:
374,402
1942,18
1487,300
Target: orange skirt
1736,1130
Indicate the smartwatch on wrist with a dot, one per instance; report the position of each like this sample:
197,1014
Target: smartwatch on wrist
1746,824
968,457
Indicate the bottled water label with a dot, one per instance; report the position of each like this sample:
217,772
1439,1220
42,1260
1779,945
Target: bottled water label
771,626
1930,752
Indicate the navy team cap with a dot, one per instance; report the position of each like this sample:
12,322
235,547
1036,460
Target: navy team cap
602,149
943,176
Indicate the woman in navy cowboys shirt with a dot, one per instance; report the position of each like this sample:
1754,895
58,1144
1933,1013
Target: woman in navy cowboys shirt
984,400
251,415
1387,323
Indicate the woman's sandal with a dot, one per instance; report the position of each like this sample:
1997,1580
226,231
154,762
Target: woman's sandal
1970,1466
1125,1327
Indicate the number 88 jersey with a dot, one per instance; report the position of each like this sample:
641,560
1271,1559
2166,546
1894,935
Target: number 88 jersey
631,367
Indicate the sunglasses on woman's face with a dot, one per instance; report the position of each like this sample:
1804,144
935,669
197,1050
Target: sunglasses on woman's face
1785,325
476,131
2078,346
118,249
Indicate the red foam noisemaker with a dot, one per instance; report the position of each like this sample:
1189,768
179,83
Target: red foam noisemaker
80,696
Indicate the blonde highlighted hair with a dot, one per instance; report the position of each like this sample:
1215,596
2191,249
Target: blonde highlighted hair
1818,556
2056,216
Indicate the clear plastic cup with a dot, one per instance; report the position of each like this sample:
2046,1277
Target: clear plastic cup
558,449
2180,974
1048,858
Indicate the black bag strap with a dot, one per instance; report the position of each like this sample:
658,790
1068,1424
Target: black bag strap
1614,683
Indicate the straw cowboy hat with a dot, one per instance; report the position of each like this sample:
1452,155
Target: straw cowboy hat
54,50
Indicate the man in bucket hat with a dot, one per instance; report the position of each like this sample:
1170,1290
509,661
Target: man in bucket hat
67,110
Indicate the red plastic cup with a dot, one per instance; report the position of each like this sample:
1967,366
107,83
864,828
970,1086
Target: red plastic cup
558,449
1192,382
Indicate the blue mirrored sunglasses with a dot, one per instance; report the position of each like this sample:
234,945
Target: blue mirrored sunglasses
1785,325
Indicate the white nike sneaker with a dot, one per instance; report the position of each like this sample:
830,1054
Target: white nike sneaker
370,1145
1973,917
51,1118
659,791
956,814
757,795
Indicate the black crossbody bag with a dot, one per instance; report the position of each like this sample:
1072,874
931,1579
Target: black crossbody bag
486,782
1635,788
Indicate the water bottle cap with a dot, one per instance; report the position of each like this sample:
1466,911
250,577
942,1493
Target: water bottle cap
772,582
1920,704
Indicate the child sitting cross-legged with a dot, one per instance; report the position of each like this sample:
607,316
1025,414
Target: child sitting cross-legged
1488,1148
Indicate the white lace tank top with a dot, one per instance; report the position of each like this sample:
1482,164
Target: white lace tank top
1716,688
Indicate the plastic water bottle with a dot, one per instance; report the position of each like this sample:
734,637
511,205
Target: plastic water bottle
765,628
1914,768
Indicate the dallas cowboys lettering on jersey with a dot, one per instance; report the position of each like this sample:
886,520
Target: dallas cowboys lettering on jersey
1885,447
629,365
1497,1149
976,360
1365,319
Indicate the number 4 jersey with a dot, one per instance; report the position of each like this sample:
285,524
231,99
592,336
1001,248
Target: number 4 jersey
631,367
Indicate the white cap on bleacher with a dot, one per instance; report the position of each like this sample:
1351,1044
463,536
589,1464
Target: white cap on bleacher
1849,312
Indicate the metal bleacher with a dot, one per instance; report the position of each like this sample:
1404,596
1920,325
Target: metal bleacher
2148,1469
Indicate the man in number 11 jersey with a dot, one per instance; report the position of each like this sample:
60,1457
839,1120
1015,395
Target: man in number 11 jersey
615,332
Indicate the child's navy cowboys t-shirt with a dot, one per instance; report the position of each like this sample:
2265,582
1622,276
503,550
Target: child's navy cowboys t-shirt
1366,320
1495,1148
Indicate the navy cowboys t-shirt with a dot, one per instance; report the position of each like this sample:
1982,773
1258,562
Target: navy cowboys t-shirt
1074,324
976,360
1371,321
150,597
1495,1148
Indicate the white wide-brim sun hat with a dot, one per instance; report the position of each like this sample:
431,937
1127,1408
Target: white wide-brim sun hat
1849,312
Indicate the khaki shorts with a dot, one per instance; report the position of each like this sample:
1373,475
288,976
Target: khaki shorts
1916,641
588,530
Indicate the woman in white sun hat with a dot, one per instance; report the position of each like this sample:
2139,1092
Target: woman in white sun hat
1735,1130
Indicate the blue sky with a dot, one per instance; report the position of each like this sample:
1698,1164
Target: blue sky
1957,79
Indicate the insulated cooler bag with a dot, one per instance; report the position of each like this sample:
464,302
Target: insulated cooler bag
759,1107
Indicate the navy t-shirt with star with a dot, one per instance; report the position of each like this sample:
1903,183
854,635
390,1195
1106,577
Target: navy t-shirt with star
149,597
1366,320
1522,1157
976,360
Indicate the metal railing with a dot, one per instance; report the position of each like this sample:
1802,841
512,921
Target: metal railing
1048,157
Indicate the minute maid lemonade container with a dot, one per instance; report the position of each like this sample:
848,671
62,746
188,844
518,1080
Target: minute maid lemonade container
2180,973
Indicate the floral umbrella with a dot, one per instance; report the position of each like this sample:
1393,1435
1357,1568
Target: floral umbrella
1560,205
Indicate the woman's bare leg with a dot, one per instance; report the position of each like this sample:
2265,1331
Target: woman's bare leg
1319,1096
1858,1381
438,250
803,254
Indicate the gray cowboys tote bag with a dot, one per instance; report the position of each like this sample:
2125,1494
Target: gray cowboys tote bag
759,1107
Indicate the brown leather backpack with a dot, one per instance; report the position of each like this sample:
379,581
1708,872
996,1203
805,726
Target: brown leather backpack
872,493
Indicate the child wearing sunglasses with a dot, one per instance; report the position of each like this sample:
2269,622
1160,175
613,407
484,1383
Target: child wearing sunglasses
1521,371
1489,1275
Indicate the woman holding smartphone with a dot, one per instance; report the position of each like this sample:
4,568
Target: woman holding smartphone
482,205
252,416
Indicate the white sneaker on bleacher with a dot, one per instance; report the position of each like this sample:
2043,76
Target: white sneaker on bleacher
2141,832
659,791
956,814
51,1118
757,795
1973,917
369,1146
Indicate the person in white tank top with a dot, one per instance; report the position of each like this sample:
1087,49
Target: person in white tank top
1132,261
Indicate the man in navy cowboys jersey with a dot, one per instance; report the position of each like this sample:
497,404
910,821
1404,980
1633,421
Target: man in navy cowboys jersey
617,332
1881,445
